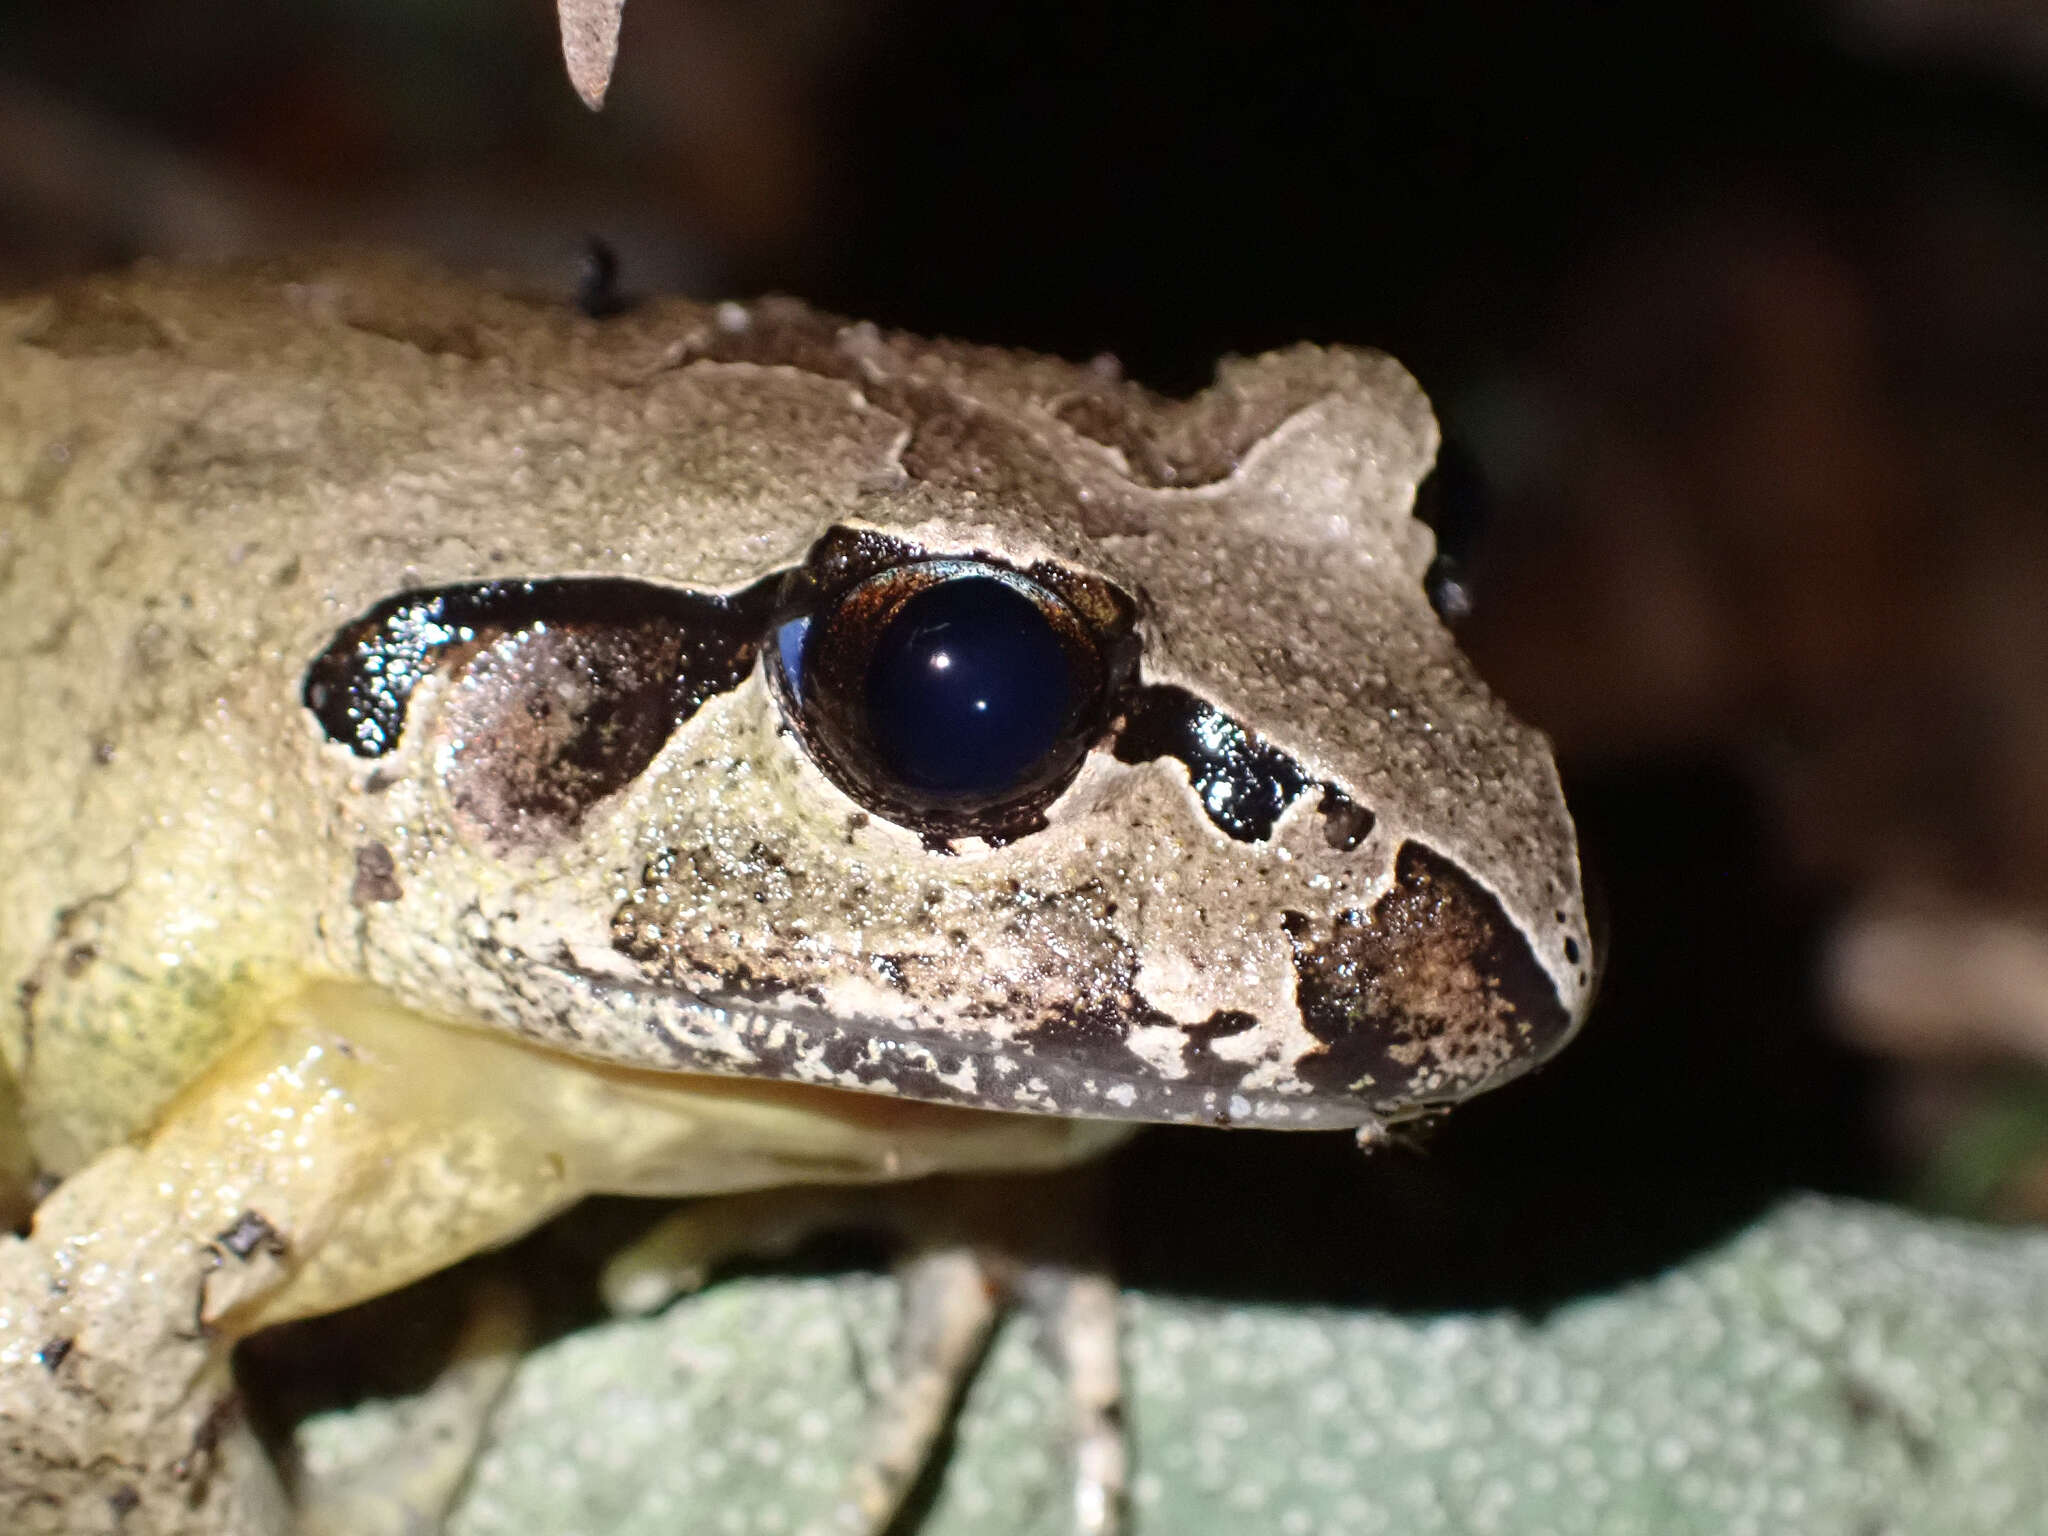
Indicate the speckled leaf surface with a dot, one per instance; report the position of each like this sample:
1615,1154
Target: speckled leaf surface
1836,1369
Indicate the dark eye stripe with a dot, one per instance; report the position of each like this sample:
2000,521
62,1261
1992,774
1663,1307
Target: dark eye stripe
856,659
360,687
1243,781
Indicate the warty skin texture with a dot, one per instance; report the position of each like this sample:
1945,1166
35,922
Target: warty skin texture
247,969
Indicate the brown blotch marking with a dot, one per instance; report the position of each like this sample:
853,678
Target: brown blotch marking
1428,998
52,1354
40,491
376,876
1200,441
549,721
1093,1030
88,321
639,928
198,1465
969,450
457,338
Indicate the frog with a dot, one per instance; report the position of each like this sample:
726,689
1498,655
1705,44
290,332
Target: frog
466,754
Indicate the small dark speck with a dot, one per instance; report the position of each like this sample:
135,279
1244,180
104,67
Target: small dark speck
376,876
597,281
1571,951
102,752
123,1501
1449,589
52,1354
79,959
288,573
1869,1409
1346,823
250,1232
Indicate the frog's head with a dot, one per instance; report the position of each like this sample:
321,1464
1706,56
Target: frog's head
1072,751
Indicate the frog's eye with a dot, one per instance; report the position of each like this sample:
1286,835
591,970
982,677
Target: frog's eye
955,696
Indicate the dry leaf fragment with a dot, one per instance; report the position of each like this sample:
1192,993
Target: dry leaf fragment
590,45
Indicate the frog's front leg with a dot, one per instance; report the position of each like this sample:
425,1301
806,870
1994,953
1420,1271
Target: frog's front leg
1077,1313
402,1480
116,1408
345,1147
334,1153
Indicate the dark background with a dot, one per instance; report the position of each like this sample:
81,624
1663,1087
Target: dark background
1737,316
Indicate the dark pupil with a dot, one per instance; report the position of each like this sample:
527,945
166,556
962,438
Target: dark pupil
968,688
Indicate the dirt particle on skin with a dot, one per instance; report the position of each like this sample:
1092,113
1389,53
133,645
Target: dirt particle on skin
376,876
250,1232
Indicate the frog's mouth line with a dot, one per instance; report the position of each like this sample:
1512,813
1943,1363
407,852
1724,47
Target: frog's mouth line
1084,1074
1427,999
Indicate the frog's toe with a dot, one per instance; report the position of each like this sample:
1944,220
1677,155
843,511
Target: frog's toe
678,1254
950,1303
404,1477
1077,1315
951,1298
